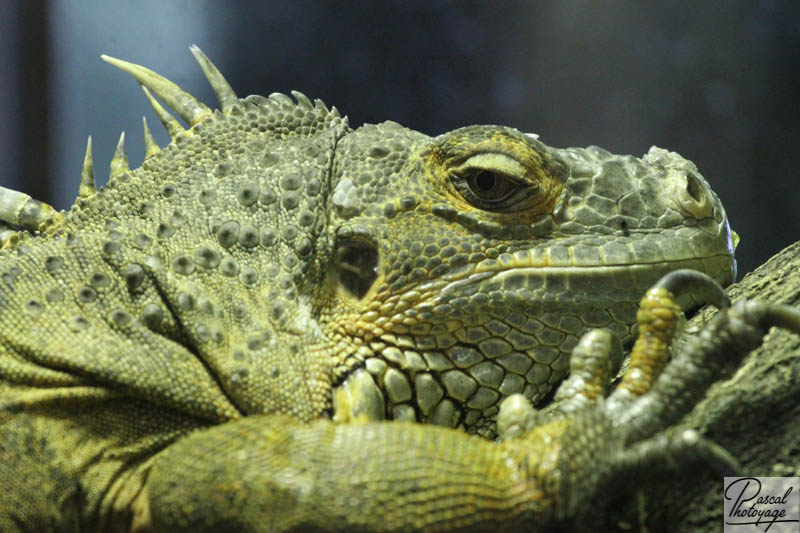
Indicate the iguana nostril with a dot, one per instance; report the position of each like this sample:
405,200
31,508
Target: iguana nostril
694,188
691,196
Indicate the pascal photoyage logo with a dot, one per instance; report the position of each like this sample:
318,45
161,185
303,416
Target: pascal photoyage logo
761,504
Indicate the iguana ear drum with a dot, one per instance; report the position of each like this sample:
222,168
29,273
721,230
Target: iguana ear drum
356,262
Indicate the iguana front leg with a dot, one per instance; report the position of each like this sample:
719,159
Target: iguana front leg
272,474
266,473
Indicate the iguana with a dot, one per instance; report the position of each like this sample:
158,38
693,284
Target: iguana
280,323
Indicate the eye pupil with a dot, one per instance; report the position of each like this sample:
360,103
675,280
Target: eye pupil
485,181
486,188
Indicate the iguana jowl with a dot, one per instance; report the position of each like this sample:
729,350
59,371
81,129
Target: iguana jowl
174,347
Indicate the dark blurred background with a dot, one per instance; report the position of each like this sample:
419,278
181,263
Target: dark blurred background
717,82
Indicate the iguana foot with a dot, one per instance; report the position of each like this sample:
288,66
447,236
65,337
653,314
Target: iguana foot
629,432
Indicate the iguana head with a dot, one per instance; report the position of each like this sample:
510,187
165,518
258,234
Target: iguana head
470,263
423,278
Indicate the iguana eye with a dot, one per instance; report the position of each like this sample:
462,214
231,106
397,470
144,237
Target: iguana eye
486,189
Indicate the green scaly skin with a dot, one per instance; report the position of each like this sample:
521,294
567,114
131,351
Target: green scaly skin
214,339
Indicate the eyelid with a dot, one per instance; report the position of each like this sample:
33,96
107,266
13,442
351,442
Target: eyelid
496,162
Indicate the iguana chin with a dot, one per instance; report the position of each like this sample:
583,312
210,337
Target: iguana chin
217,340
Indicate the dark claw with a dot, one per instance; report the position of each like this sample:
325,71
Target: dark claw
700,287
774,315
668,451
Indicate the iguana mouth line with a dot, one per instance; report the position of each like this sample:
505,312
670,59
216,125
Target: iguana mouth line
659,267
636,264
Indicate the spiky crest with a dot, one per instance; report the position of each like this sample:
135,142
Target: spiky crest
222,89
282,99
19,209
119,163
87,186
303,100
172,126
151,147
184,104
